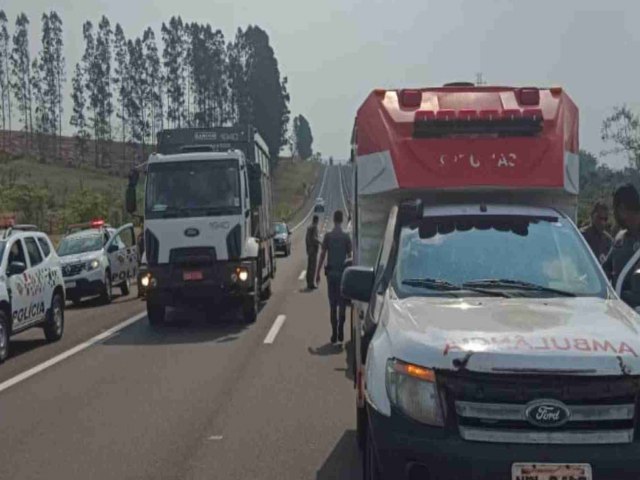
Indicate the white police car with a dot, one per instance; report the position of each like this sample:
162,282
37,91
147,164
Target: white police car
31,285
95,258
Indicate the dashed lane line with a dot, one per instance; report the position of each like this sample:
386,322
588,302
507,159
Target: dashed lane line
275,328
302,275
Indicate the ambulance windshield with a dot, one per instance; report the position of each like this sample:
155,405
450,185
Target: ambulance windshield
518,255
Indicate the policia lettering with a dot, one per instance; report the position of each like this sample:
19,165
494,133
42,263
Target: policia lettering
26,313
122,276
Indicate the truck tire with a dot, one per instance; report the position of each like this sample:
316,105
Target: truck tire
361,427
54,325
251,304
107,289
4,336
156,313
125,287
266,293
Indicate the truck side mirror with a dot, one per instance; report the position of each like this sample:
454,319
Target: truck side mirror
255,184
130,199
357,283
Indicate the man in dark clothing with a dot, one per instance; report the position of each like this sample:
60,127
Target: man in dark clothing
596,234
626,210
313,244
336,247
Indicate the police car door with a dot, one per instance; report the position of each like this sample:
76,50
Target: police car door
19,287
123,254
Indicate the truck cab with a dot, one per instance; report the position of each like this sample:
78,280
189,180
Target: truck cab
489,343
207,229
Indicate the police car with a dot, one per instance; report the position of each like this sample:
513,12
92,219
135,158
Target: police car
96,258
31,285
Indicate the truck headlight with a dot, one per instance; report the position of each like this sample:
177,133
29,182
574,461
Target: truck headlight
144,281
243,274
93,264
413,390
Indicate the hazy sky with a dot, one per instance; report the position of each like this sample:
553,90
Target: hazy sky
335,51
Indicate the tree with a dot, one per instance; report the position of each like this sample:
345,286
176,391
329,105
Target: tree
5,93
173,56
21,72
59,72
121,80
137,101
103,87
42,120
622,128
303,139
239,57
90,75
78,119
153,76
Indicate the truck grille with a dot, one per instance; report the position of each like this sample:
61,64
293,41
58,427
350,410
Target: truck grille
494,408
72,270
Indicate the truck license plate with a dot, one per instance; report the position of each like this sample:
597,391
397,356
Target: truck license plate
196,275
69,284
551,471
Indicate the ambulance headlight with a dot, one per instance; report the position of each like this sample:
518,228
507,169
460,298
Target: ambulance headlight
412,389
93,264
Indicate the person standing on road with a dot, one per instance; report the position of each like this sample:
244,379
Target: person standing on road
626,210
596,234
336,248
313,244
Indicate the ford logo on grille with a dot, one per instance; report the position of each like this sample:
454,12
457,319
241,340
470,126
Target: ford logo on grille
192,232
547,413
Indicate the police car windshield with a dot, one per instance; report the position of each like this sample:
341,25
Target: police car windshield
86,242
496,253
193,188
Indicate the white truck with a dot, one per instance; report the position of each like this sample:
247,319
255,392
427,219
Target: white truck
488,342
208,233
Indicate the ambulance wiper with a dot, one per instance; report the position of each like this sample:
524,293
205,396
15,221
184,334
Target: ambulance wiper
446,286
516,285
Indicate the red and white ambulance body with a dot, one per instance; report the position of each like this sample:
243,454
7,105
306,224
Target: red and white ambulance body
489,343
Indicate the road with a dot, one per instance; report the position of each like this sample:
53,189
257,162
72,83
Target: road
201,398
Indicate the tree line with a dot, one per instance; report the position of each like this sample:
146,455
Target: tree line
126,89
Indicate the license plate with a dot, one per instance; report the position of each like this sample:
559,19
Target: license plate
187,276
551,471
69,284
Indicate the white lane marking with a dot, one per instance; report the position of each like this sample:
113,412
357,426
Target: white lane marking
302,275
324,177
275,328
64,355
216,437
344,202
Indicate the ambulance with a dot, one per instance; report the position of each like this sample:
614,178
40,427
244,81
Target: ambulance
488,342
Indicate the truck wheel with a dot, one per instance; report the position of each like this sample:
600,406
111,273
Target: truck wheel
371,469
107,290
251,305
266,293
54,325
4,336
125,287
156,313
361,426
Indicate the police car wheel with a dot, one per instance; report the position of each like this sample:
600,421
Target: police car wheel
4,337
125,287
107,289
54,326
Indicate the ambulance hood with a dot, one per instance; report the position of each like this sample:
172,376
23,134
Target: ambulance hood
582,335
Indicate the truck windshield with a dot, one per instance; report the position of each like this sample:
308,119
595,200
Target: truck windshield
80,244
518,255
193,188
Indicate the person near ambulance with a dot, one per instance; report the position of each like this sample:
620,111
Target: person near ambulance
626,210
596,233
312,241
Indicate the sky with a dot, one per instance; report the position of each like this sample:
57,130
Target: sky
334,52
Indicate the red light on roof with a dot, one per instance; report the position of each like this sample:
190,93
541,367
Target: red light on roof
555,90
533,113
410,98
97,223
446,115
489,114
529,96
511,114
468,115
425,116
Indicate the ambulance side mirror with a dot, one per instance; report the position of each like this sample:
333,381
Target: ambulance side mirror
357,283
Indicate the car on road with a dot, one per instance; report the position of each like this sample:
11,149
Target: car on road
31,285
319,207
282,238
95,258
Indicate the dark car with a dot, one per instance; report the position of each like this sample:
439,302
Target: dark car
319,207
282,238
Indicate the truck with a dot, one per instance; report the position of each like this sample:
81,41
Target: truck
208,230
488,343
